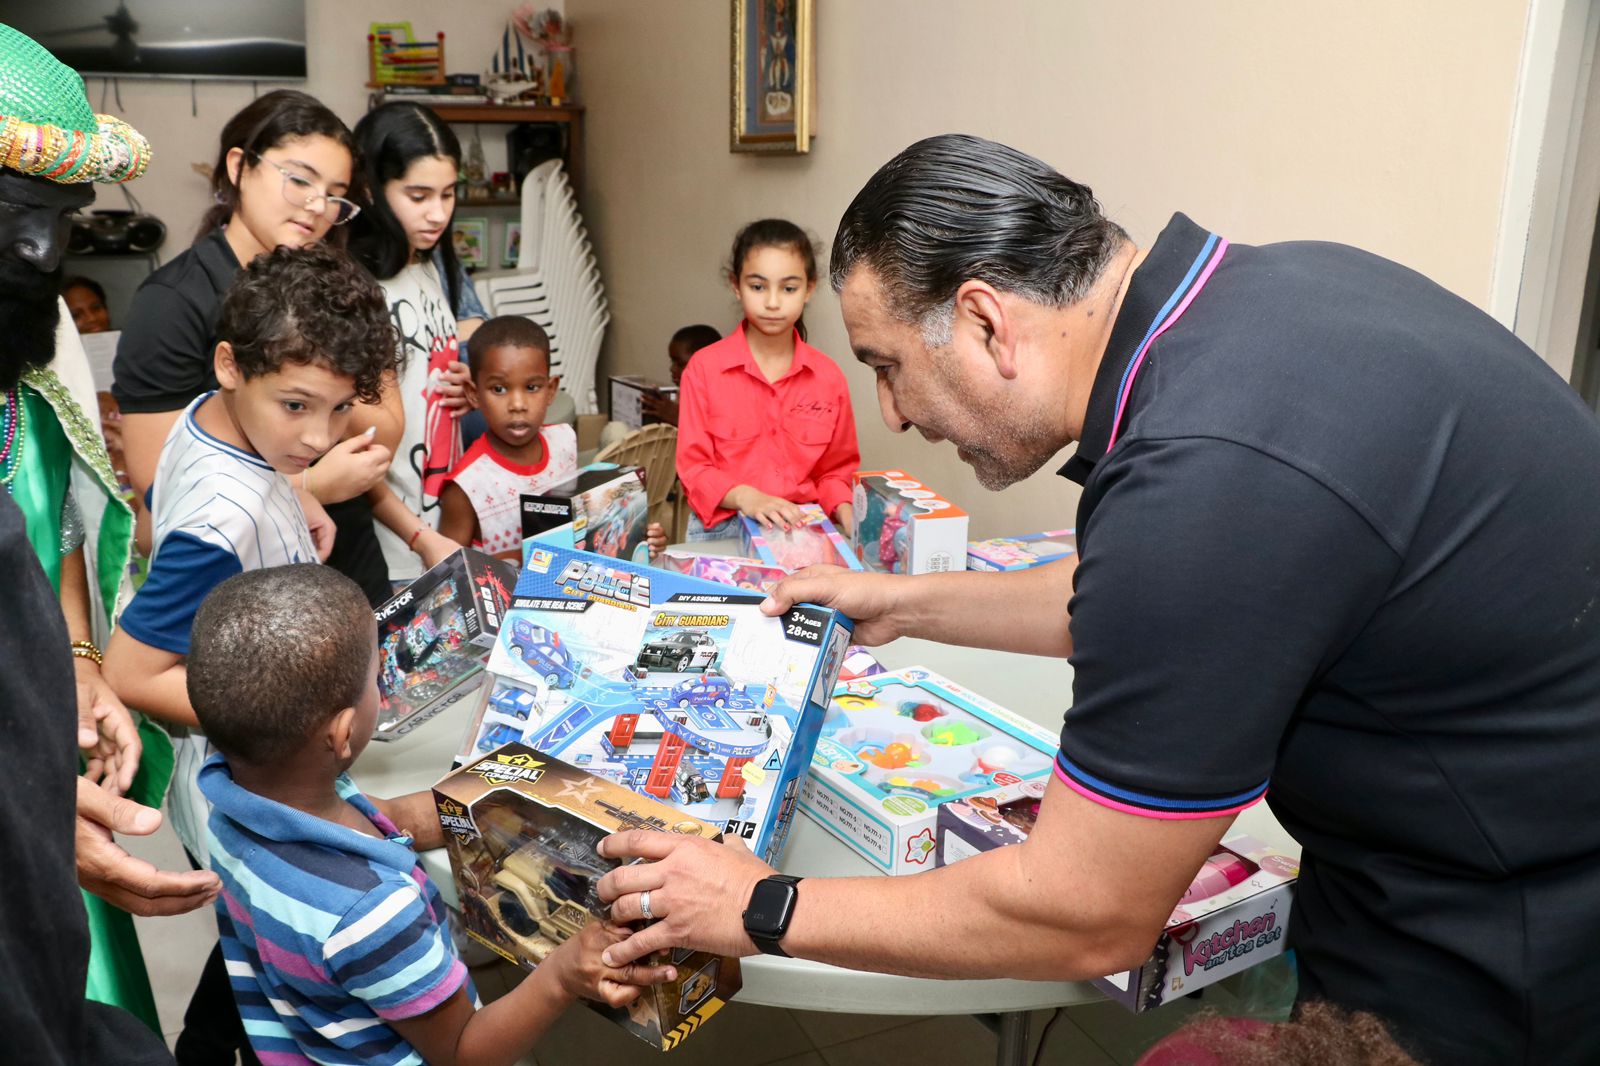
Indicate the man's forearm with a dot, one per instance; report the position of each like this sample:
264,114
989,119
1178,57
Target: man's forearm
1024,611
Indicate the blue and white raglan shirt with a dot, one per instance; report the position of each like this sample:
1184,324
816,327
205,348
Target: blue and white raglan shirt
217,511
327,933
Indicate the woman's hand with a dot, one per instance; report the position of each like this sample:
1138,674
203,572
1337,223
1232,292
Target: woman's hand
106,731
348,469
451,388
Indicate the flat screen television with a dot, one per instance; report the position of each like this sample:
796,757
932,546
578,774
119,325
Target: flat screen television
258,40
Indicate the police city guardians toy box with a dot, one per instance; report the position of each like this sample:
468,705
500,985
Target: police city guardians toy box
896,745
1020,553
676,688
521,830
1234,914
814,541
903,527
434,635
604,509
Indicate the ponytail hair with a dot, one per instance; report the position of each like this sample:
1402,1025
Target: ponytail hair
774,233
263,124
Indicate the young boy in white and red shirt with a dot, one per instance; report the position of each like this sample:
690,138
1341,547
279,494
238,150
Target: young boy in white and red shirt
481,502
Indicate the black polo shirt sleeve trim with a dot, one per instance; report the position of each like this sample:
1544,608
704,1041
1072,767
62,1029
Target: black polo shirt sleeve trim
1215,584
169,333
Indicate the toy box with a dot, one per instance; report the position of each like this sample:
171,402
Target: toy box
1019,553
1234,915
603,510
433,638
521,829
751,574
902,527
679,689
896,745
817,541
628,391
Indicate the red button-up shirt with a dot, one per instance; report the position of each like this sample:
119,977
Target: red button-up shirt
794,437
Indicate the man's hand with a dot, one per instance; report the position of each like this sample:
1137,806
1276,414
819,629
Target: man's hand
698,891
321,526
117,877
348,469
873,601
106,731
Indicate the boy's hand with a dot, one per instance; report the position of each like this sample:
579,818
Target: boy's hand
321,526
348,469
585,975
451,387
769,510
660,407
656,537
434,547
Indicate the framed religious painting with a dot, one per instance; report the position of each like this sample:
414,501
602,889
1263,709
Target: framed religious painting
774,76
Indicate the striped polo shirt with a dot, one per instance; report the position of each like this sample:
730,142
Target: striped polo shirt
327,932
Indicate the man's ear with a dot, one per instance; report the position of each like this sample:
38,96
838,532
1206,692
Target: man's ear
980,307
226,368
340,729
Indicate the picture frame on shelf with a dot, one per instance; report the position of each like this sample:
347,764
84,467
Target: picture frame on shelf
512,247
470,237
773,92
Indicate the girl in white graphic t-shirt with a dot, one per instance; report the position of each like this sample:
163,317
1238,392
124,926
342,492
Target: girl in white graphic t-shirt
411,159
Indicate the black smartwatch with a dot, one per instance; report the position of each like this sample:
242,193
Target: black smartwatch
771,907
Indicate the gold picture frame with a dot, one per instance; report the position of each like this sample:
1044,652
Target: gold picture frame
774,76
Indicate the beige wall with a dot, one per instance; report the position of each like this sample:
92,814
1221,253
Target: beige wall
1379,124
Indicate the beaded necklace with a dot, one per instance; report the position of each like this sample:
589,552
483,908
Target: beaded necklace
13,425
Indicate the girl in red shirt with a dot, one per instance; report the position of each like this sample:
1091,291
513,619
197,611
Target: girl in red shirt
765,422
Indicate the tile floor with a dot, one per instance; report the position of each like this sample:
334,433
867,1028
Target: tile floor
1100,1034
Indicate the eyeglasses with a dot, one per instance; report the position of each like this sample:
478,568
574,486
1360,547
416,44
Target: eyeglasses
299,191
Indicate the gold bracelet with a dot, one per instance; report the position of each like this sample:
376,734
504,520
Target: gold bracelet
85,649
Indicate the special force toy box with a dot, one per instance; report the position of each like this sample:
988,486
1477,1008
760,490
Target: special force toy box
815,541
903,527
896,745
521,830
676,688
603,510
1020,553
1234,914
433,638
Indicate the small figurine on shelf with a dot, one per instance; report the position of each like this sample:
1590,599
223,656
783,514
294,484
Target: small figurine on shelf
550,30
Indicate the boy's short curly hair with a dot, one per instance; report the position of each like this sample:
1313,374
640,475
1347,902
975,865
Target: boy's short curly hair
513,331
313,305
275,654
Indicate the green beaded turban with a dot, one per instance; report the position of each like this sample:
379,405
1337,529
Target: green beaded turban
46,127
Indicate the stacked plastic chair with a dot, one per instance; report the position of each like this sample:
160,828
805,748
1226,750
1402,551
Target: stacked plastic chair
557,283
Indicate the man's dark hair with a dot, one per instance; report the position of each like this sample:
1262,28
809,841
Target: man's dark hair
956,207
81,282
695,337
275,653
311,305
509,331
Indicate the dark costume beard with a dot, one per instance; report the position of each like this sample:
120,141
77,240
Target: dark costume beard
27,334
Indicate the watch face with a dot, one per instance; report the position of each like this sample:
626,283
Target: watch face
771,904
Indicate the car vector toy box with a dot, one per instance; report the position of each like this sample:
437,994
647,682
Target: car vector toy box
433,638
1234,914
678,689
896,745
815,541
903,527
521,830
603,510
1020,553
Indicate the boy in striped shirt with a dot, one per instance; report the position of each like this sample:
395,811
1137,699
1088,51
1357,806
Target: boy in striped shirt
334,937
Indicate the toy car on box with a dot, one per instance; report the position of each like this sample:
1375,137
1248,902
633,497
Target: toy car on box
814,541
603,510
1019,553
1234,914
752,574
896,745
903,527
521,829
675,688
433,638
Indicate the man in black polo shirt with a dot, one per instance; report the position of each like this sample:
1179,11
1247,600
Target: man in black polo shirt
1335,549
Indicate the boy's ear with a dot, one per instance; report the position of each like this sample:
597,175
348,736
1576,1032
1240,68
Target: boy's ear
469,389
555,383
340,730
227,370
